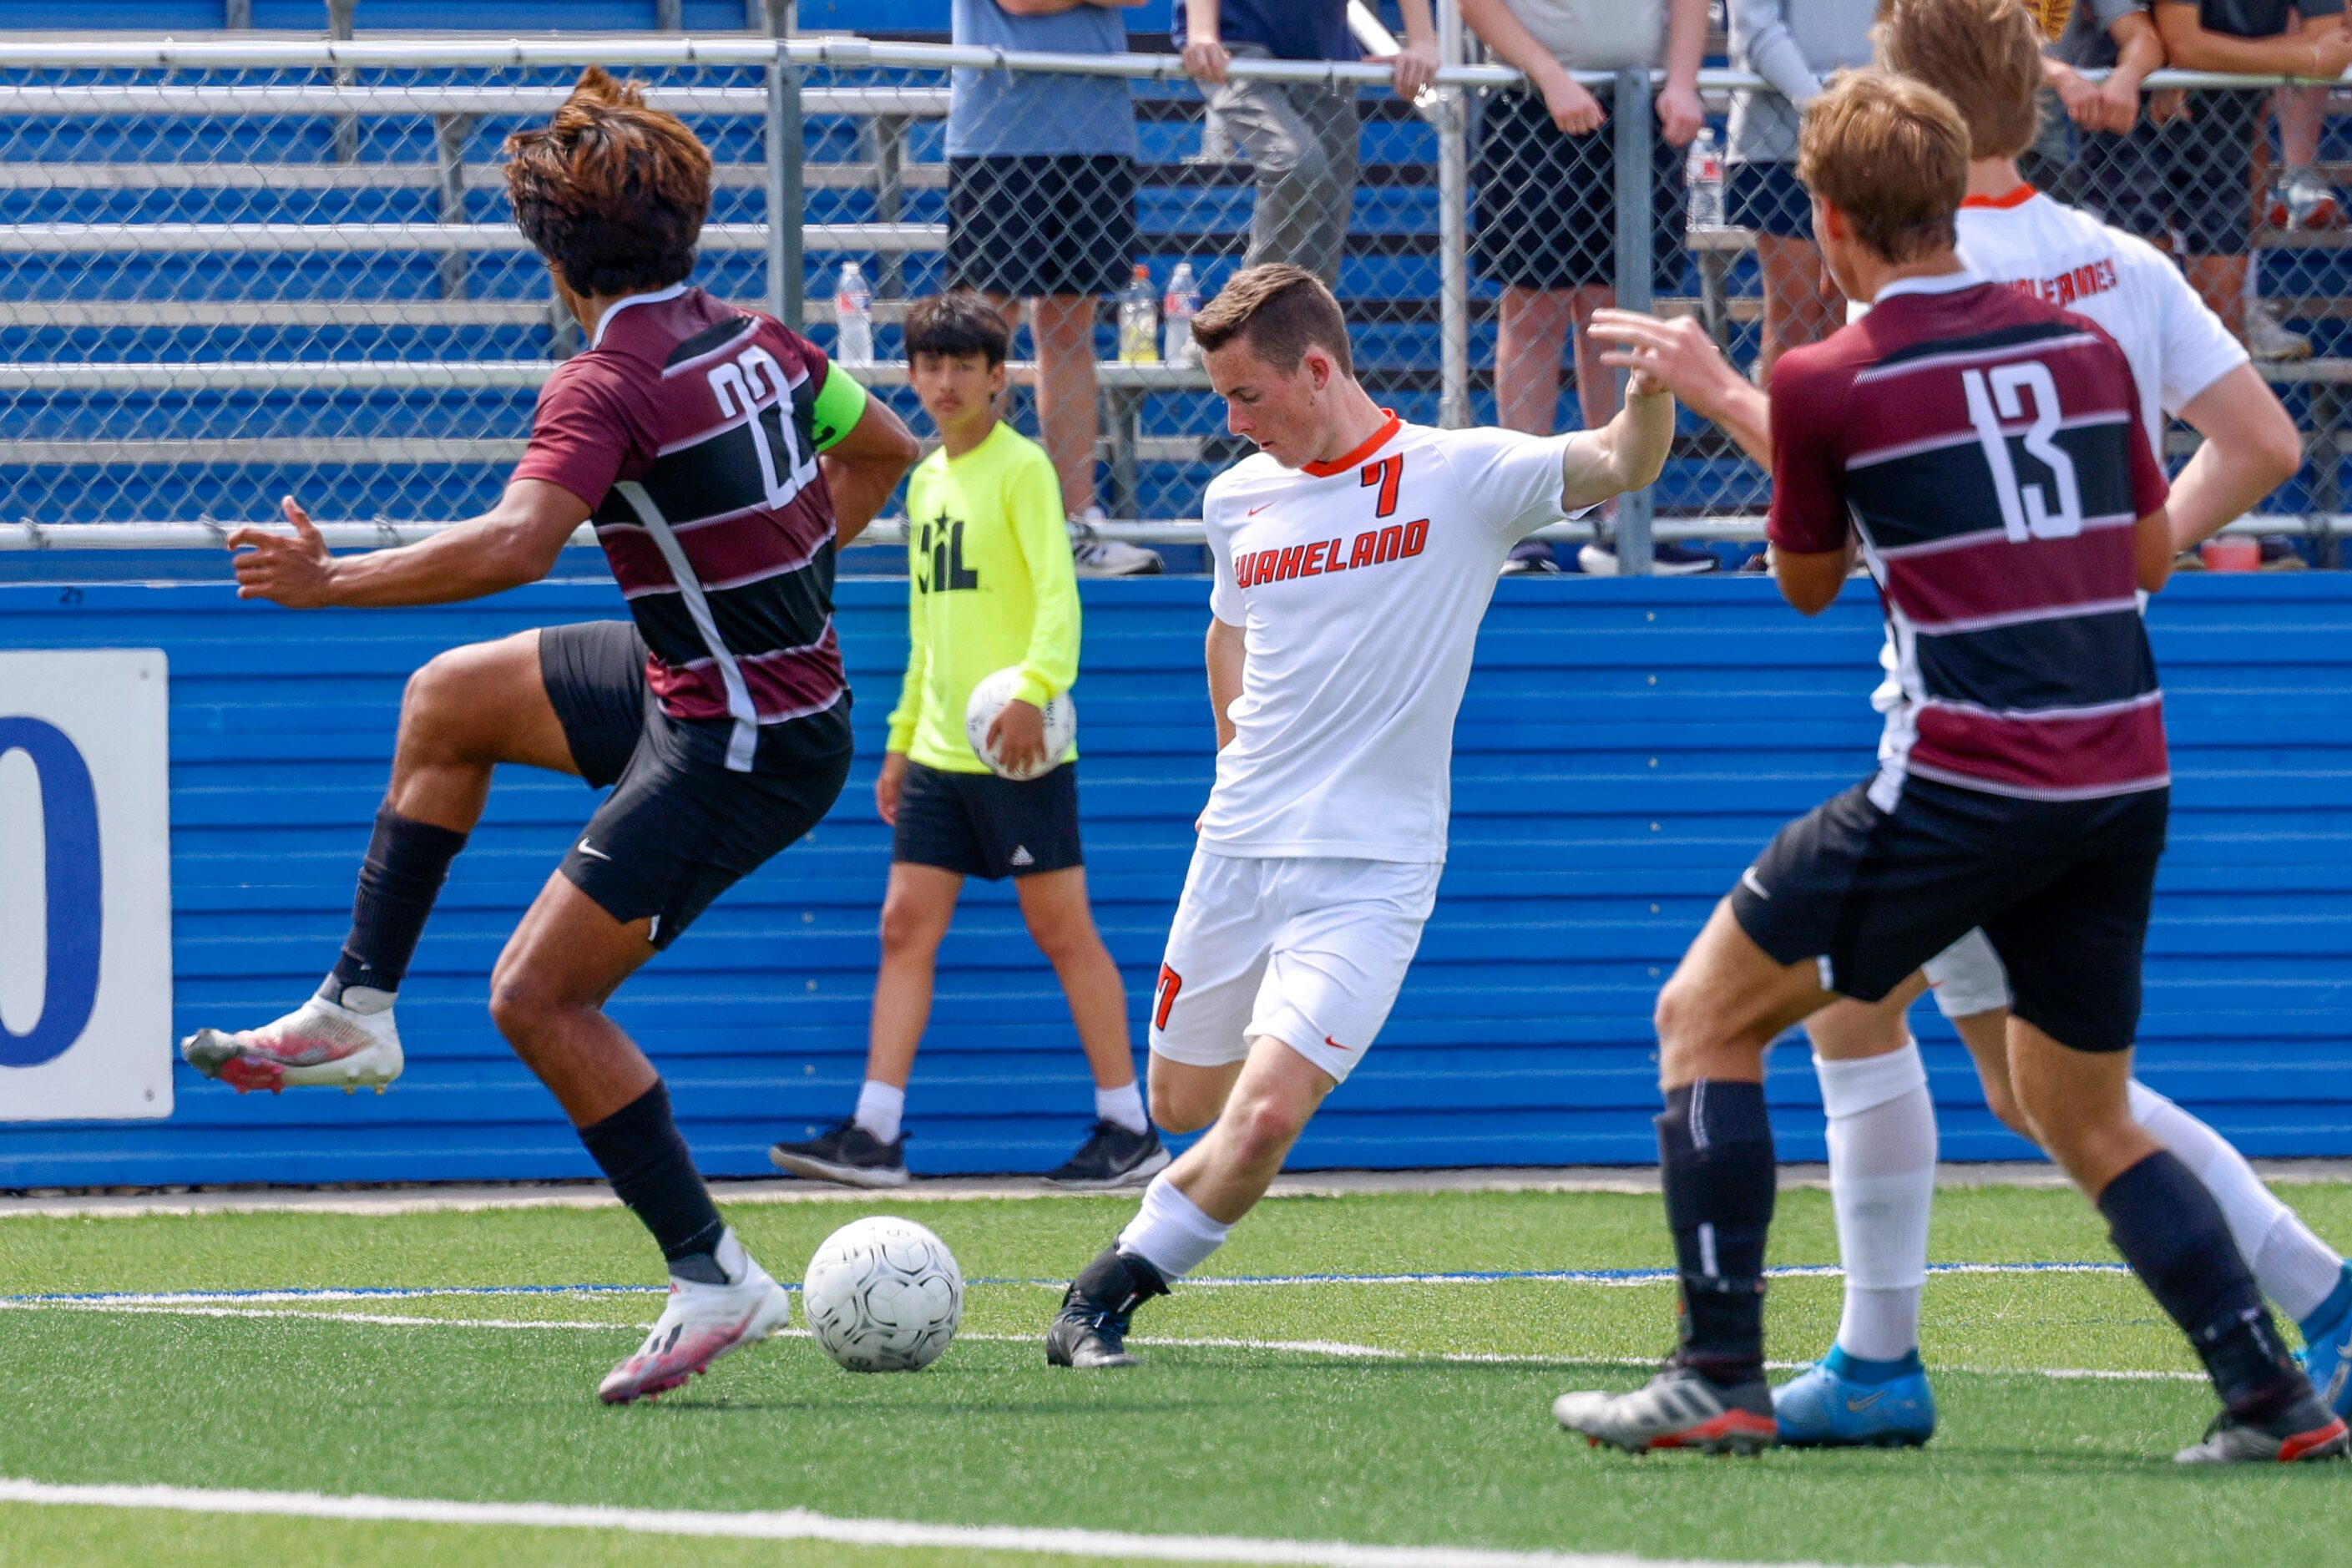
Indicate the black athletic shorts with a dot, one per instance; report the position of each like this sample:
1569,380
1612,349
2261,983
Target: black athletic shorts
2061,887
1043,223
977,825
680,827
1546,215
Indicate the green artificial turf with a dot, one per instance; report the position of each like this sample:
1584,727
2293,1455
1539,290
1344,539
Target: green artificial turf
1250,1440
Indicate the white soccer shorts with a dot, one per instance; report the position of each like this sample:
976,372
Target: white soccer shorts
1309,951
1967,978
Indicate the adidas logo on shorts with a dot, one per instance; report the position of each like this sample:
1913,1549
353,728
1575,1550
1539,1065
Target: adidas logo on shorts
1021,856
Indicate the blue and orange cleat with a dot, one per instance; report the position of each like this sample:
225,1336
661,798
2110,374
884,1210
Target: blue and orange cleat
1828,1405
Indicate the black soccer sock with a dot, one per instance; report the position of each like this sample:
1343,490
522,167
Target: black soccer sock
2172,1233
1715,1153
638,1148
1117,1282
406,864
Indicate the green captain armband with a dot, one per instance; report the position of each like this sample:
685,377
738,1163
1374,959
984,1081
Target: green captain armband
840,403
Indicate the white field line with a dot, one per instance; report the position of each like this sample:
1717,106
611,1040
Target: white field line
800,1524
1608,1277
1337,1349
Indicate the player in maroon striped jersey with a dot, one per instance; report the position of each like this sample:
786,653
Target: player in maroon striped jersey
722,460
1982,453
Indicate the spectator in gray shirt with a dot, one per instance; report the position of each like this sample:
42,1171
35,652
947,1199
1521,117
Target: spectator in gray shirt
1795,45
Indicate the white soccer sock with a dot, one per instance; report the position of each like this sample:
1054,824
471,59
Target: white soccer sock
2295,1269
1881,1137
1122,1105
1170,1232
879,1107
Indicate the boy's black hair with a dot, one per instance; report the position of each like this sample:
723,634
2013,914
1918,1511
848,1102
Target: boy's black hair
955,323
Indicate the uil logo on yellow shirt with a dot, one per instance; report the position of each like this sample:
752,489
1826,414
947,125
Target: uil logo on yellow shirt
940,545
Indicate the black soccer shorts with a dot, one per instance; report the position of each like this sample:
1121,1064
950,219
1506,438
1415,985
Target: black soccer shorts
2061,887
977,824
680,827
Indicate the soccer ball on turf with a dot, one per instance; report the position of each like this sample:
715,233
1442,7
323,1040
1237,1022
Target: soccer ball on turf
989,696
882,1295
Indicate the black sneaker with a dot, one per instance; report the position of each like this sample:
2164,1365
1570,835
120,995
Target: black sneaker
1667,559
1112,1157
846,1153
1530,558
1091,1329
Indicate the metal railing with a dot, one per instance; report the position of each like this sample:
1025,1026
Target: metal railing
244,267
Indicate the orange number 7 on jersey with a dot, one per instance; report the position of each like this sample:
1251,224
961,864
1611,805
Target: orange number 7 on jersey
1386,473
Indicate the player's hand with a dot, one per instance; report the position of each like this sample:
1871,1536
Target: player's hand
1665,356
1680,113
297,571
1572,109
886,785
1018,736
1411,68
1206,61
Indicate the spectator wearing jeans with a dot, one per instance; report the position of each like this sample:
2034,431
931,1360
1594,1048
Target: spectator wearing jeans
1041,208
2212,162
1544,171
1795,45
1301,136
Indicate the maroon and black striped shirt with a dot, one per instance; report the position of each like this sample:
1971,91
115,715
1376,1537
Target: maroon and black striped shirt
1988,449
688,427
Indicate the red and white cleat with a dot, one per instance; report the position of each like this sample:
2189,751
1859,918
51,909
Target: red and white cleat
347,1045
1677,1409
701,1324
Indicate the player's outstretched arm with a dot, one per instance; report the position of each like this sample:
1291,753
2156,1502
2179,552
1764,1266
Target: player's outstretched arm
1680,356
863,467
2251,448
514,542
1624,454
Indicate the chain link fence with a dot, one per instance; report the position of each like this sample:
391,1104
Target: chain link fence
232,274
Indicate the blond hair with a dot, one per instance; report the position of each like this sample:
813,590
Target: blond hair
1892,155
1983,55
1282,312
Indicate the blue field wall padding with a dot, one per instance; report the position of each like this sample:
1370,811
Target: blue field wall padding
1625,748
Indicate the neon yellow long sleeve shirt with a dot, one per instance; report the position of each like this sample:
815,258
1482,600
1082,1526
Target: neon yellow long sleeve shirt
989,583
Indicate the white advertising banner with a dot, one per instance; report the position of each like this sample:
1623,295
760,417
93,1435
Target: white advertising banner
84,885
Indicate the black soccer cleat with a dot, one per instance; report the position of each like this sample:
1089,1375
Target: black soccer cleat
2305,1430
847,1153
1112,1157
1091,1329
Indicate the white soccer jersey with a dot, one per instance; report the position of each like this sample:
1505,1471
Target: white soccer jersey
1359,584
2177,347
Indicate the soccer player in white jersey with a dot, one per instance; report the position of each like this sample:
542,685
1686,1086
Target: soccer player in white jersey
1355,555
1872,1388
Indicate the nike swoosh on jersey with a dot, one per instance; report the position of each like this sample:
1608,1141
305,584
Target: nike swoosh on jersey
1257,509
592,851
1748,880
1336,1045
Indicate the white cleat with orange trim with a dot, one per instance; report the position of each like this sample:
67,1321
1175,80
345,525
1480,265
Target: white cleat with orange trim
1677,1409
701,1324
348,1045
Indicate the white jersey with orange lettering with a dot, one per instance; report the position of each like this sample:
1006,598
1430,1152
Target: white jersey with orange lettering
2176,345
1359,585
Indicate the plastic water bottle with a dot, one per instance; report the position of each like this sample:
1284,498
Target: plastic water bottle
1177,308
853,317
1703,172
1139,321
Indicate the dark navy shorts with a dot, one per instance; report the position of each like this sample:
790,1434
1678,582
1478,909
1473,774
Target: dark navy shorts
977,825
680,827
2061,887
1767,198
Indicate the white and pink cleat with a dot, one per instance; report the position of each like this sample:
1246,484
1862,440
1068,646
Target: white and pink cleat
701,1324
348,1045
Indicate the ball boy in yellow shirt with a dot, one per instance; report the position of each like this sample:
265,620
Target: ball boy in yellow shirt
990,584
